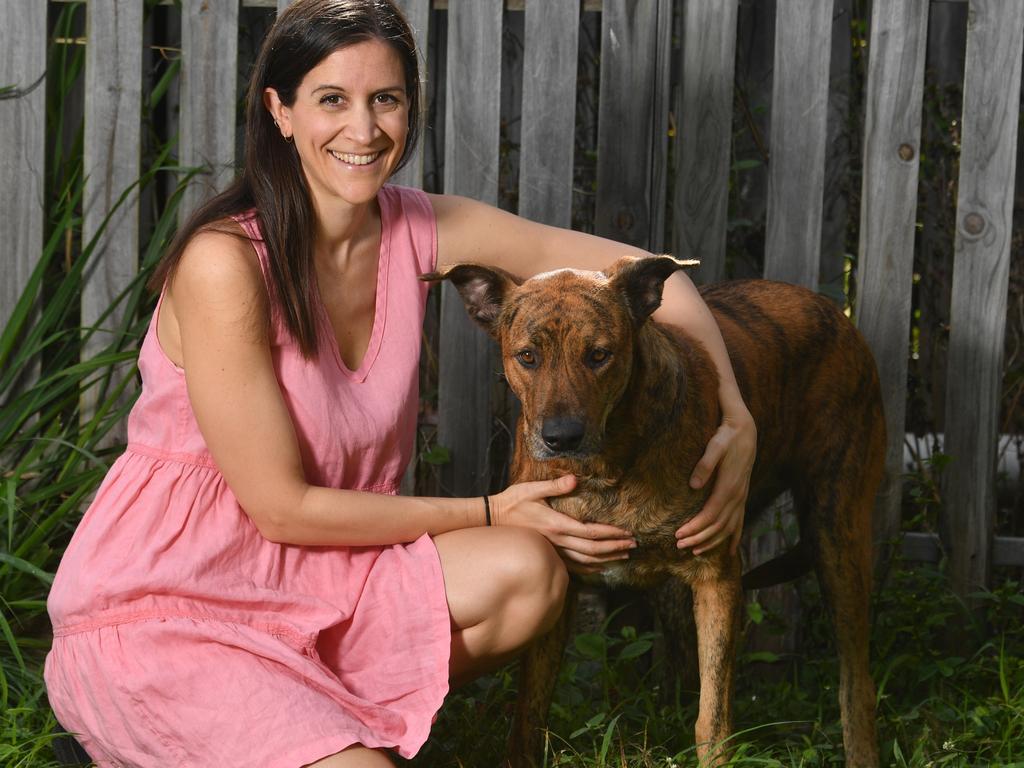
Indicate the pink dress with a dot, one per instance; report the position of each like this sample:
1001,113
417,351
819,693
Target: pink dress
183,637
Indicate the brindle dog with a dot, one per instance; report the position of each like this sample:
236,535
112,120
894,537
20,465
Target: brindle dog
628,406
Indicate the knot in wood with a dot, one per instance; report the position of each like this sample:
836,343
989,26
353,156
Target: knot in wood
906,152
624,220
974,223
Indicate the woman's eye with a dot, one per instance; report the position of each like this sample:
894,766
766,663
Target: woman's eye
386,99
526,358
598,357
331,99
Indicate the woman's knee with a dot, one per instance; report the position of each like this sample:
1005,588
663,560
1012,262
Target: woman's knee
535,577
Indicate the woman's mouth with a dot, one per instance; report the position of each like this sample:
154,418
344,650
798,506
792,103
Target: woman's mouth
355,159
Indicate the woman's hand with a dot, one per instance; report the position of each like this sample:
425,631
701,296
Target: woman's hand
585,547
732,450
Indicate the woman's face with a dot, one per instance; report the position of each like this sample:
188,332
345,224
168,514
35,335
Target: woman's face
349,122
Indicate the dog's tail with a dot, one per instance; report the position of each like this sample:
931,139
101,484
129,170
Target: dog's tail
789,565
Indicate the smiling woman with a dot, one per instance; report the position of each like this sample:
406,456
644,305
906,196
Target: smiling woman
349,121
247,566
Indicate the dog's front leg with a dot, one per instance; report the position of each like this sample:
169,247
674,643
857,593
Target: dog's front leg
538,673
716,605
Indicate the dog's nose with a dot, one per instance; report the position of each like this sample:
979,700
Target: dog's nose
562,434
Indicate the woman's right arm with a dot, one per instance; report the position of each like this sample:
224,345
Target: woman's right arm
222,312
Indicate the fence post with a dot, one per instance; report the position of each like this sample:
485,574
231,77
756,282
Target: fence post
803,38
991,112
704,136
549,111
417,13
892,149
113,114
467,360
22,146
209,42
633,123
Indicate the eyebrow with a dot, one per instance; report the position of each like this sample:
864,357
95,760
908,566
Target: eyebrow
328,87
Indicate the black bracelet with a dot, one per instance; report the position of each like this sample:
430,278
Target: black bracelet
487,509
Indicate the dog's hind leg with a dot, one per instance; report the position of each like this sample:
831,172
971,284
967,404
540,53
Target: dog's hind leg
841,522
844,571
716,608
538,673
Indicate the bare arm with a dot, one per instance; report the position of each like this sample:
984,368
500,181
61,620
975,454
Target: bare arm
469,231
222,310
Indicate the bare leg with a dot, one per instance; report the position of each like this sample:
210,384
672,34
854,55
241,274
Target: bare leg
505,587
355,757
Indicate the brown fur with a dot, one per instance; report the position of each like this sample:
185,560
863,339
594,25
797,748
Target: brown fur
629,407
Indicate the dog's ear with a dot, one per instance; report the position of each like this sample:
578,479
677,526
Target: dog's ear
483,289
641,280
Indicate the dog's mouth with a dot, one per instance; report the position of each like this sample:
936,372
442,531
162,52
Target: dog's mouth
541,451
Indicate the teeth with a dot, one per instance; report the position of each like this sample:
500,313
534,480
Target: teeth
355,159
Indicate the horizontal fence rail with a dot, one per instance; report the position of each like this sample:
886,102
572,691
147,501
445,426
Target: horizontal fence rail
638,110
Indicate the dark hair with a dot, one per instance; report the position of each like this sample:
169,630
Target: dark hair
271,180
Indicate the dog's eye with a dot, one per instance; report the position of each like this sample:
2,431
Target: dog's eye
598,357
526,358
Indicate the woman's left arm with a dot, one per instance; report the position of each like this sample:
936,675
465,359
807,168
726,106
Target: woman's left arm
472,232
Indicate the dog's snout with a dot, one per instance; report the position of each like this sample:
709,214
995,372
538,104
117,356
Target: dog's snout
562,434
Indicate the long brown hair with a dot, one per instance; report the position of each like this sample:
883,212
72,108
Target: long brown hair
271,180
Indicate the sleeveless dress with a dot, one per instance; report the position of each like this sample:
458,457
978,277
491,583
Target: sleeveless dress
183,637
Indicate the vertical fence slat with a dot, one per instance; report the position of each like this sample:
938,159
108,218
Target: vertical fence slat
892,148
471,169
209,41
980,274
704,136
113,110
22,146
417,13
549,111
632,126
803,39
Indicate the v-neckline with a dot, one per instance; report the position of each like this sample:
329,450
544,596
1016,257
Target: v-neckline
379,304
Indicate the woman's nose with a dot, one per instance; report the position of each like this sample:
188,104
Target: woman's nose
362,125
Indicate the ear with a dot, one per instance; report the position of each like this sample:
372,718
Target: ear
278,111
483,289
640,279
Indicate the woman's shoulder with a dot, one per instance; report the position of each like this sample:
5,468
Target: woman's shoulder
220,260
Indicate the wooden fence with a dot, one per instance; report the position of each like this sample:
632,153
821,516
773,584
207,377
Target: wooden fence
636,104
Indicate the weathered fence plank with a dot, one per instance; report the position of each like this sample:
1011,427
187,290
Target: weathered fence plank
632,127
417,13
22,146
803,38
471,168
892,148
549,111
113,113
209,34
704,136
991,113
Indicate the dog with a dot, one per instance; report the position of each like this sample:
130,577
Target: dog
628,406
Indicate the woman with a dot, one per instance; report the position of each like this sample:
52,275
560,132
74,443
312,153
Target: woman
246,588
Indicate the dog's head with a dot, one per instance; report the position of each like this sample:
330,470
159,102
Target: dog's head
567,341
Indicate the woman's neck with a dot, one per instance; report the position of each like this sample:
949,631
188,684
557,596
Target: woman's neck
342,229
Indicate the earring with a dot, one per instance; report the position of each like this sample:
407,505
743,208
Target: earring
288,139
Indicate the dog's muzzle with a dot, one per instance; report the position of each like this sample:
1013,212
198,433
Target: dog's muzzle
561,434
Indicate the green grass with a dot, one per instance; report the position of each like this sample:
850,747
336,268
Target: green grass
939,704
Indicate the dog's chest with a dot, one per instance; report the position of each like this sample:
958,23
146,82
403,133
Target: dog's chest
651,519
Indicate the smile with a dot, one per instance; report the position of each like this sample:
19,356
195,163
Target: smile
355,159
